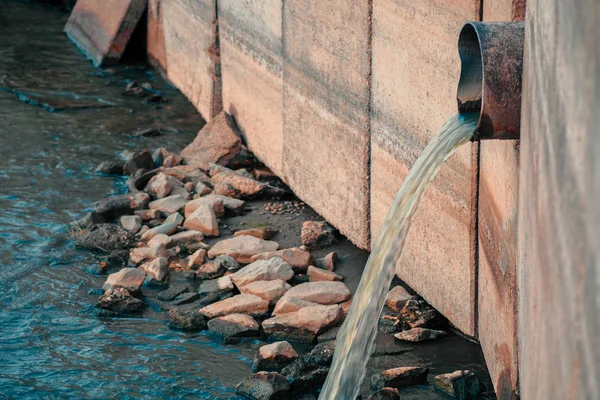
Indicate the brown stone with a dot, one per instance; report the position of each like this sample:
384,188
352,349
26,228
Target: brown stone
386,393
399,377
304,324
271,291
319,275
141,254
320,292
240,304
263,270
202,189
299,259
274,356
417,313
157,268
397,298
210,270
197,258
317,234
231,184
215,202
127,278
217,142
328,262
234,326
203,220
169,205
166,228
419,335
290,304
147,215
159,185
242,248
186,237
159,239
261,233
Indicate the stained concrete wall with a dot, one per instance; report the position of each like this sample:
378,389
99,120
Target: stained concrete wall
559,212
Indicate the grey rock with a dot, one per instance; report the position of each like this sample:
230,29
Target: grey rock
120,301
265,386
105,237
110,168
141,160
125,204
234,326
399,377
186,298
172,292
186,320
308,372
462,385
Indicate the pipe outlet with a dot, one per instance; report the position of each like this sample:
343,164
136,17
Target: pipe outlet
491,55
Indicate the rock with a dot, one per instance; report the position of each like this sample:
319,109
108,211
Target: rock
197,258
169,205
159,186
399,377
117,258
186,320
265,386
175,218
202,189
240,304
289,304
186,237
90,219
105,237
127,278
141,160
166,228
319,275
147,215
386,393
463,385
231,184
189,186
215,203
228,263
299,259
261,233
115,206
317,234
242,248
120,301
346,306
263,270
159,239
218,286
234,326
172,292
308,372
157,268
397,298
419,335
328,262
110,168
271,291
140,254
131,223
274,356
172,160
210,270
186,298
303,325
217,142
320,292
330,334
417,313
213,298
158,156
203,220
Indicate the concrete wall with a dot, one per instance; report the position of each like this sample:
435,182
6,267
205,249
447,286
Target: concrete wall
559,212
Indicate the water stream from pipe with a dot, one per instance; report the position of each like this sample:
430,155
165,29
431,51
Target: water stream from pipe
356,338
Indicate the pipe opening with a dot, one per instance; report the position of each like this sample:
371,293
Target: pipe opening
470,85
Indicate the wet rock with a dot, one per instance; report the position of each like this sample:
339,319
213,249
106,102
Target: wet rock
231,184
289,304
120,301
303,325
217,142
186,320
320,292
105,237
159,239
213,298
131,223
240,304
210,270
186,238
274,356
158,156
265,386
169,205
115,206
172,292
186,298
172,160
218,286
228,263
317,234
399,377
308,372
328,262
175,218
140,254
159,186
242,248
203,220
298,259
157,268
234,326
462,385
202,189
417,313
90,219
117,258
197,259
127,278
397,298
263,270
387,393
141,160
271,291
110,168
166,228
147,215
261,233
419,335
320,275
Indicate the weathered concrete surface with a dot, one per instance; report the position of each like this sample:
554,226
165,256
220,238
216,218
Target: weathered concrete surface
192,55
157,55
326,117
414,76
559,213
251,48
101,29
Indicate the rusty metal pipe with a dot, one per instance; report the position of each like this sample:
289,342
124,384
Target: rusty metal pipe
491,55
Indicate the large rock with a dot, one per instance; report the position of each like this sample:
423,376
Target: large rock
462,385
160,185
166,228
140,254
217,142
240,304
320,292
160,239
234,326
261,233
203,220
186,237
417,313
299,259
271,291
399,377
290,304
304,324
131,223
265,386
157,268
172,292
175,218
218,286
127,278
110,168
321,275
186,320
169,205
397,298
316,234
141,160
419,335
120,301
274,356
104,237
214,202
386,393
263,270
308,372
232,184
242,248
